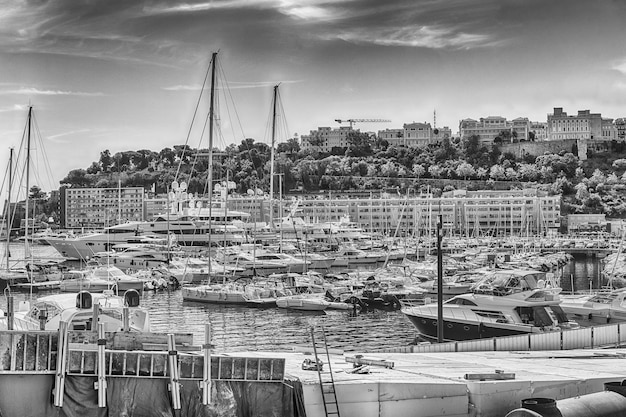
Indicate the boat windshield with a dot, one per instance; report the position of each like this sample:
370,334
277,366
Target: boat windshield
506,282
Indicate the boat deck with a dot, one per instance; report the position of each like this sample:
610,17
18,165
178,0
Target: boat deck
437,384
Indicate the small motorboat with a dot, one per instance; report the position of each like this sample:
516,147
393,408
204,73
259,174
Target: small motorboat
303,302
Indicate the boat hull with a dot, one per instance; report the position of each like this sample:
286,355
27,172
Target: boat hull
302,304
223,297
463,330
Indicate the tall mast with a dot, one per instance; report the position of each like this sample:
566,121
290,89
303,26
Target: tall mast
30,116
8,206
272,158
210,177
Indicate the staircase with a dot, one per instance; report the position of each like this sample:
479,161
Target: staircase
325,373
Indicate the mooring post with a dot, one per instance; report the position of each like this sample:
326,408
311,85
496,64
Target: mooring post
206,370
102,383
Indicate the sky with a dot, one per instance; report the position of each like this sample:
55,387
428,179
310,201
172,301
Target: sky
124,75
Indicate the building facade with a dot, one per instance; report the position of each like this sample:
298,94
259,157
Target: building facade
94,208
492,127
464,213
584,125
325,139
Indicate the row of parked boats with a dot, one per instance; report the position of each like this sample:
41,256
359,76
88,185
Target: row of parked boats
485,295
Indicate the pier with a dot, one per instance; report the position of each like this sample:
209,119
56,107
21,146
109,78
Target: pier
87,371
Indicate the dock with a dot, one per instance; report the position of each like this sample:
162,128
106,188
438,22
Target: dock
87,371
457,384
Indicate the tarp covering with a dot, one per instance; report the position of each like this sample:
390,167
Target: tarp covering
150,397
80,398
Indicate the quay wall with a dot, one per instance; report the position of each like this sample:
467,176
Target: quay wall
392,399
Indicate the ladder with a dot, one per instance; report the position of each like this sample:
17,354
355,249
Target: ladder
327,382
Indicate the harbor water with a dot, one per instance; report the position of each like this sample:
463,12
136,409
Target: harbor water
239,328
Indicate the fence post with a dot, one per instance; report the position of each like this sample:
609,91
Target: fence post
59,386
174,377
206,383
102,383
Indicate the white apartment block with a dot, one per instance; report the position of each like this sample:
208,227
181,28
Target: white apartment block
101,207
465,213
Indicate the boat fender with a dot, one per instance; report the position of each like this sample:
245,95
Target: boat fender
84,300
131,298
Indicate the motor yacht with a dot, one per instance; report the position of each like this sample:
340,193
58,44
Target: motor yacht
601,307
504,303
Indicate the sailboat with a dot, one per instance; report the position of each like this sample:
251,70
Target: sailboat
26,270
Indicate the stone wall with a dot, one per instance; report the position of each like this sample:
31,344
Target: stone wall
521,149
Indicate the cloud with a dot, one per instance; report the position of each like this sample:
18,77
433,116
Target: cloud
417,36
31,91
58,138
620,66
14,108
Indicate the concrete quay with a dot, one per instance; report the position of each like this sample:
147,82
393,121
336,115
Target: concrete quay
449,384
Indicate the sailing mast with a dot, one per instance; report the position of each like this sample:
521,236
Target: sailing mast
8,208
26,249
210,176
272,158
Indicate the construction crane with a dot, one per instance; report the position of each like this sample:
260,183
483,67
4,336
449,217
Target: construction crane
353,121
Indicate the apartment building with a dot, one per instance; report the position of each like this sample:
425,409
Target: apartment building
100,207
465,213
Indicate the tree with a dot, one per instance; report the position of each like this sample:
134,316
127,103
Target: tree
36,193
77,177
359,144
465,170
418,170
497,172
581,191
105,160
291,146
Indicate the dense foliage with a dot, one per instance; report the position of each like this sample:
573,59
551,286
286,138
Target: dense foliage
593,186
